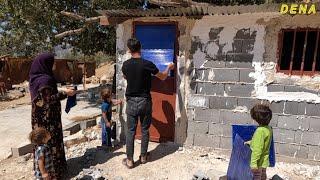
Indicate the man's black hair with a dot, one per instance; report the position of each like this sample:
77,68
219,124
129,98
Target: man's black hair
134,45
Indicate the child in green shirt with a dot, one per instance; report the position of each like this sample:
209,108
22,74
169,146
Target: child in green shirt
261,141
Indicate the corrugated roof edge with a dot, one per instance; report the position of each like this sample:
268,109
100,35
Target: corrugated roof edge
193,11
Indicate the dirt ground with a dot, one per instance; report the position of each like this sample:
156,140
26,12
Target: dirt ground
14,103
168,161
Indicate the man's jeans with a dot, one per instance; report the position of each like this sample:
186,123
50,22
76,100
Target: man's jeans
138,108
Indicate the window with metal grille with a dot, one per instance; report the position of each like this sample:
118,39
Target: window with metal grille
299,51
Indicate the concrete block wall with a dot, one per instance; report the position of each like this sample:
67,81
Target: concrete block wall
223,90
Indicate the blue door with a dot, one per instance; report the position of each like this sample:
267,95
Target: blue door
158,45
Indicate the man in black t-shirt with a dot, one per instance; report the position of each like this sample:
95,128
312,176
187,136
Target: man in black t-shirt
138,73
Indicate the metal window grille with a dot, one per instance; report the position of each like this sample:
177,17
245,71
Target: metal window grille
299,51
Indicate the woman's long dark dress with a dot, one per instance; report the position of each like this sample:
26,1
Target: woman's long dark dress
46,113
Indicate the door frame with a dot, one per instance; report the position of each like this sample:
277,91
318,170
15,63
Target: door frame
176,54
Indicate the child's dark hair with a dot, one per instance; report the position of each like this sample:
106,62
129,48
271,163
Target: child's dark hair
262,114
38,135
105,93
134,45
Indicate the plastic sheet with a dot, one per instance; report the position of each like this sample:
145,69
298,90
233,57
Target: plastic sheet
239,165
246,132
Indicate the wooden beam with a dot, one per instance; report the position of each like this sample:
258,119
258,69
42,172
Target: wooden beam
177,3
104,21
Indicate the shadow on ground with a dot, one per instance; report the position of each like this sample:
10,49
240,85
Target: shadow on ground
92,157
162,150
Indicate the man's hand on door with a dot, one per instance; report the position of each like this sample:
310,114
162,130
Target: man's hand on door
171,66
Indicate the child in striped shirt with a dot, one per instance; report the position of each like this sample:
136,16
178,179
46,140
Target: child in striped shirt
43,164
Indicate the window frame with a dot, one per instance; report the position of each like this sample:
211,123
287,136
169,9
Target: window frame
300,72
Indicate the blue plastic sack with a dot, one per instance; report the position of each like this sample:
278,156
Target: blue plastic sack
239,165
246,132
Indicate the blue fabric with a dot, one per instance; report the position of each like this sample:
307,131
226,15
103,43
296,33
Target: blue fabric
106,134
158,43
246,132
71,101
239,165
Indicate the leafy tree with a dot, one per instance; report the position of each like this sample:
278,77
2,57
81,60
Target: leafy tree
28,27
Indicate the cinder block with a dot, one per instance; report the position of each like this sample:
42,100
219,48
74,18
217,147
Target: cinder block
208,115
314,124
226,75
283,135
198,101
286,149
310,138
248,45
229,117
206,140
312,109
293,89
221,102
190,114
305,123
88,123
210,89
244,75
22,150
220,130
275,88
215,63
289,122
277,107
303,152
237,46
202,74
190,139
244,34
239,60
274,121
314,153
291,107
248,102
72,127
302,108
242,90
226,143
198,127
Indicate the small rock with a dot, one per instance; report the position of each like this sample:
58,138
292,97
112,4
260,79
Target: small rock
118,178
27,157
204,155
199,175
22,177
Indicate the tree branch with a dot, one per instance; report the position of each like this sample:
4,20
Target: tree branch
93,19
68,33
72,15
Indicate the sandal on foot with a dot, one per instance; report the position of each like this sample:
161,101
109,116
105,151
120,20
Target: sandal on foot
125,162
144,159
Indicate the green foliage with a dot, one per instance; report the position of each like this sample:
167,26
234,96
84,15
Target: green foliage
27,27
244,2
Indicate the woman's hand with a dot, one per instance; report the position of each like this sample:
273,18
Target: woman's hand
46,176
70,92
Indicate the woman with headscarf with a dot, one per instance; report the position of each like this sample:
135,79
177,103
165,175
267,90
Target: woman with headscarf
46,107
